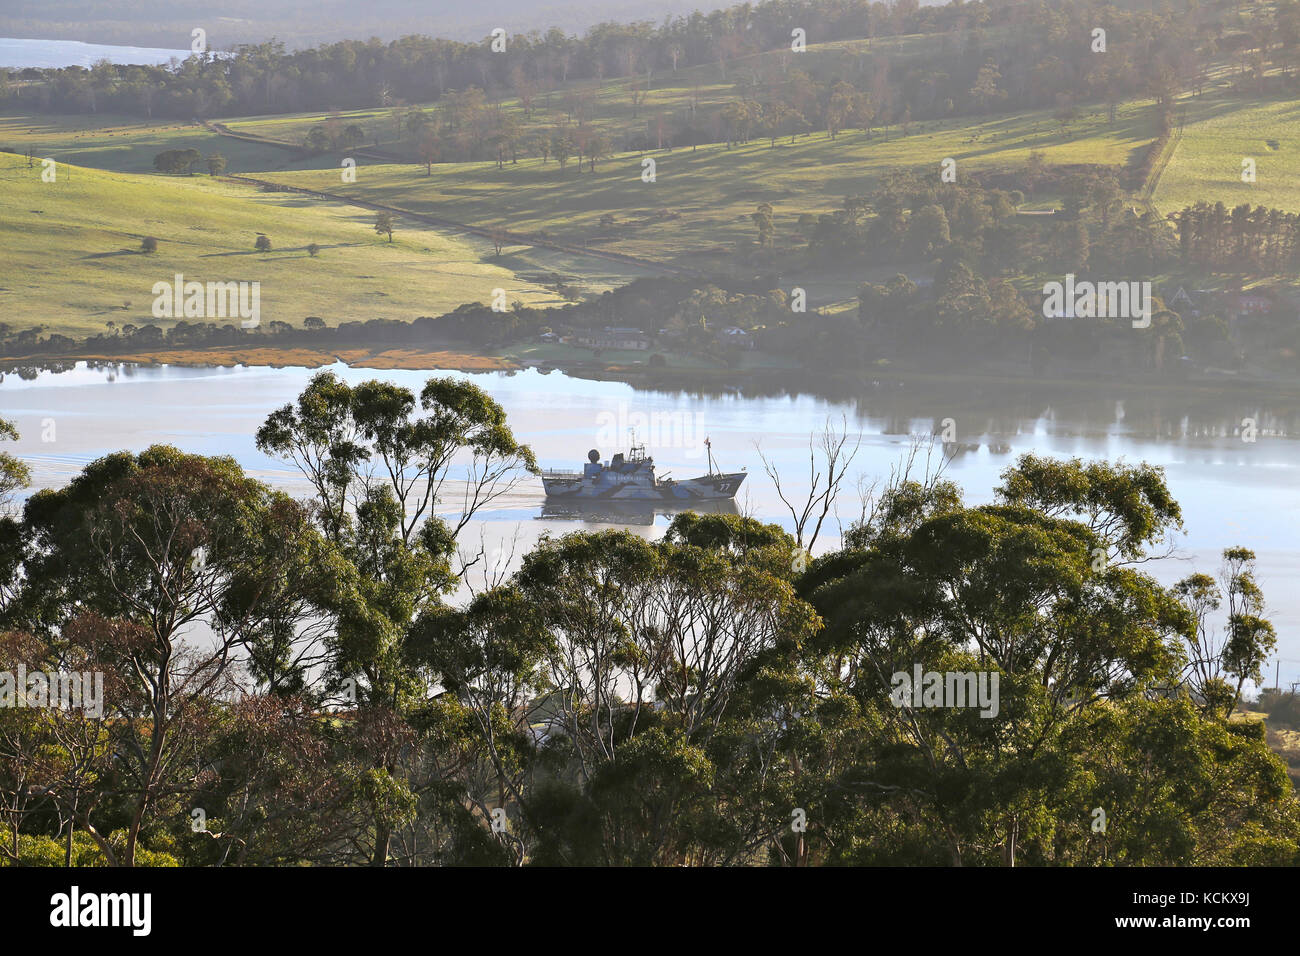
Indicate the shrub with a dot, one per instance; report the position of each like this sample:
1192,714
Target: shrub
45,851
149,244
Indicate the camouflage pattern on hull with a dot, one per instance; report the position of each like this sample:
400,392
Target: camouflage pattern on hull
632,478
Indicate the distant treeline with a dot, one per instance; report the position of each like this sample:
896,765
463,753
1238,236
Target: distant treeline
993,56
1249,239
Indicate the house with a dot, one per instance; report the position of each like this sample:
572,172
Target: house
735,336
1192,303
1247,304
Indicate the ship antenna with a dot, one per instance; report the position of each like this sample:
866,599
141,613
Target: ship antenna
709,447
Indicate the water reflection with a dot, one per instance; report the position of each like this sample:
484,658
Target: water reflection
629,512
984,411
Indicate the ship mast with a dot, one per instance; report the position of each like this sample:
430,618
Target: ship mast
635,452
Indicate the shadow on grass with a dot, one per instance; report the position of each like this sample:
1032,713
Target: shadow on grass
110,255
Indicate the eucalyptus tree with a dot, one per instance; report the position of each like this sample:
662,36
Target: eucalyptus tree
383,464
605,694
649,646
1242,648
170,571
490,659
14,476
318,435
1250,638
1041,589
344,439
54,761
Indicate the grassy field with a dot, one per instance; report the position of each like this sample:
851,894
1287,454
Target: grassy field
70,259
127,145
706,195
1219,130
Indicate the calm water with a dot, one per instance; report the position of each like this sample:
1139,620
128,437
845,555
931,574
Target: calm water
52,54
1232,491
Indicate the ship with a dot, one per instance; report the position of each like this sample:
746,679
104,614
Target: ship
632,478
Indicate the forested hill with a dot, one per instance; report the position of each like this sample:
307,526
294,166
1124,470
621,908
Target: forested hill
1004,55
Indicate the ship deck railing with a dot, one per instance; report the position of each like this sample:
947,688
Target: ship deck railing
557,473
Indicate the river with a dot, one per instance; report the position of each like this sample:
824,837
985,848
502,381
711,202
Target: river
53,54
1232,491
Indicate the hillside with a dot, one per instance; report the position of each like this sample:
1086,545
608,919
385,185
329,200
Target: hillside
700,204
125,144
1219,131
73,263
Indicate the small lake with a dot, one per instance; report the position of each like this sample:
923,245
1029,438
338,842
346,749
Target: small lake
1232,492
53,54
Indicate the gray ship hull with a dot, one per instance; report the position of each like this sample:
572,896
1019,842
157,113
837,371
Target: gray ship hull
705,488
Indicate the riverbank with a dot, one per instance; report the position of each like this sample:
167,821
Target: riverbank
761,372
293,357
441,356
